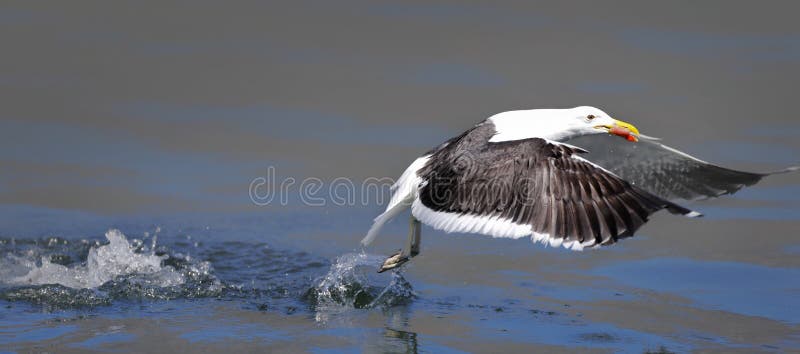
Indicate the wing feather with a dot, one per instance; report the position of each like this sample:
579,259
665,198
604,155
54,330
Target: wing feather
664,171
530,187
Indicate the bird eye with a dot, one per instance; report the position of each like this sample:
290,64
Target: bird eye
590,117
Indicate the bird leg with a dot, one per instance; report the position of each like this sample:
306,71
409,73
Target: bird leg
416,232
410,250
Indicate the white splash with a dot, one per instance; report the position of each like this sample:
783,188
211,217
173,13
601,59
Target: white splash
103,264
353,283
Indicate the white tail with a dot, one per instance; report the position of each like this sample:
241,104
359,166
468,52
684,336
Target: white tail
385,217
404,193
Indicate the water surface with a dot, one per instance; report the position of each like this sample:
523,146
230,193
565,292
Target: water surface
130,136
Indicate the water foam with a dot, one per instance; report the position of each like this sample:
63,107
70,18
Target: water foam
103,264
61,274
352,283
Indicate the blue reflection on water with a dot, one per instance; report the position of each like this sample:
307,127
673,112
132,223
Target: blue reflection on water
576,334
35,334
775,194
735,287
751,213
748,152
105,338
219,332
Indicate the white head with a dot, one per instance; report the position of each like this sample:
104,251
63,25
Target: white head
558,124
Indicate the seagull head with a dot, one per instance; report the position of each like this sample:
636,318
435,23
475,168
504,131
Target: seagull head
559,124
591,120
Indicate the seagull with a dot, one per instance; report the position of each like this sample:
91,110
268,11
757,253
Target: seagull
560,176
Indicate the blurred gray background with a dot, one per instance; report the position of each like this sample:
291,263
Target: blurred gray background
116,107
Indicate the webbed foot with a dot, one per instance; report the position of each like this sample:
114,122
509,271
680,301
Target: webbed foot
393,261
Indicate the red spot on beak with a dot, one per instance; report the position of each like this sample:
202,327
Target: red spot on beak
623,132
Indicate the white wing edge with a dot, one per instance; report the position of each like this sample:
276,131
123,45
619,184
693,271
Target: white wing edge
494,226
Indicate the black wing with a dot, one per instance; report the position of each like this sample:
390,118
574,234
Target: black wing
544,186
664,171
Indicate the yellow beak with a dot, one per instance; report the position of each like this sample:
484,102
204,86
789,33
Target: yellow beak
623,129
